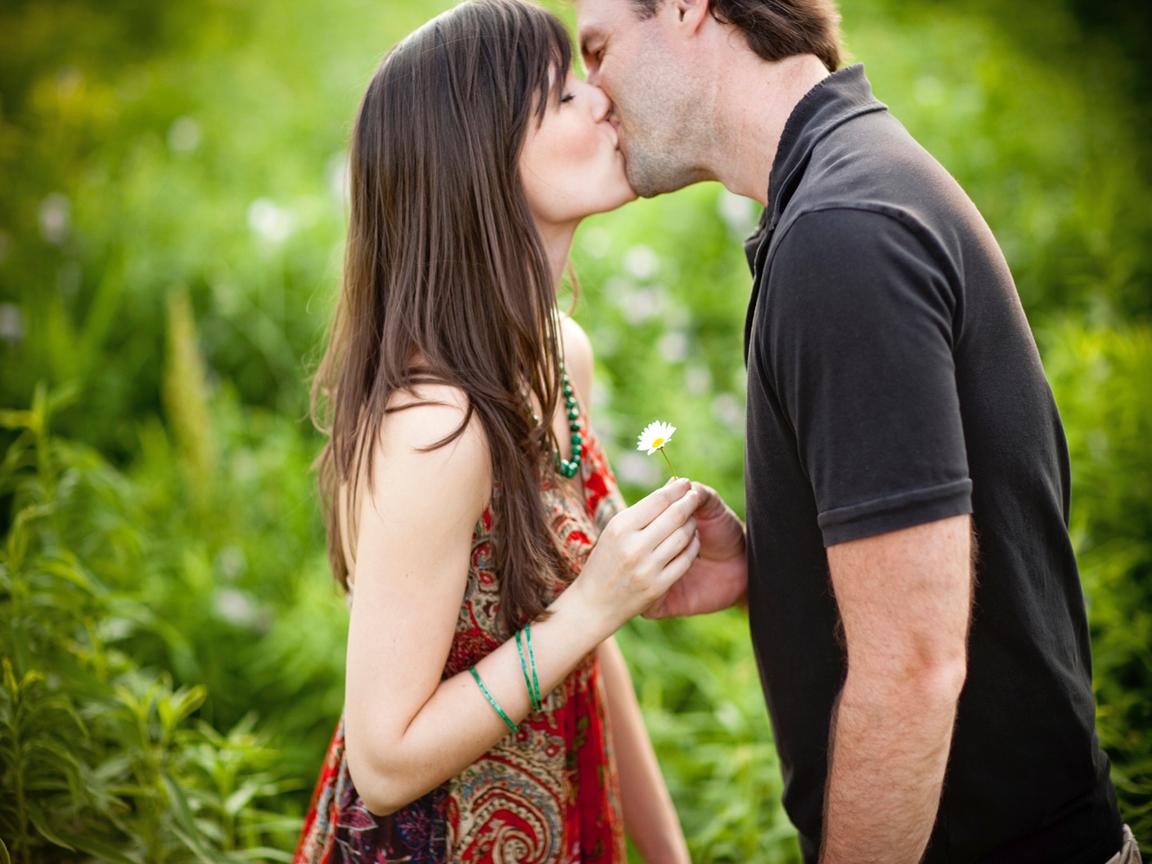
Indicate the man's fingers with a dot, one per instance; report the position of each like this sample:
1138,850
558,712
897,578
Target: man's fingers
711,504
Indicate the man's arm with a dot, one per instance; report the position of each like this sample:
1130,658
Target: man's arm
904,599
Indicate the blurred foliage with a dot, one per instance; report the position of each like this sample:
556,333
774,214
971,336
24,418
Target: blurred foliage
1096,374
100,757
171,223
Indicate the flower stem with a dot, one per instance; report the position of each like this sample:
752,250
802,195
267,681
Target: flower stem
665,455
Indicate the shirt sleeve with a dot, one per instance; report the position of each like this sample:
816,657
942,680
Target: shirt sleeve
859,341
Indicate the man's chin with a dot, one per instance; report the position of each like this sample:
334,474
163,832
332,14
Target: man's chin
644,188
648,180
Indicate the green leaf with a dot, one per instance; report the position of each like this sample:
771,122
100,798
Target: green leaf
190,834
44,826
102,851
16,419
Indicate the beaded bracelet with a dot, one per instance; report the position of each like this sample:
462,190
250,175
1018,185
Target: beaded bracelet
532,698
492,701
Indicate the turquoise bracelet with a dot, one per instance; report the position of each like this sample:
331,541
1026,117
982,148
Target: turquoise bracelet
492,701
532,656
532,700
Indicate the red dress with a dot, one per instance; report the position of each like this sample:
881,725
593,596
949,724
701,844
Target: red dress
547,794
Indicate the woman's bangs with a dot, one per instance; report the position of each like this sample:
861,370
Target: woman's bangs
549,47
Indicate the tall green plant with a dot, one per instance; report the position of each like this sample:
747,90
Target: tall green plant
100,759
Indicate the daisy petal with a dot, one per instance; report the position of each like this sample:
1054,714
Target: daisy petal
655,435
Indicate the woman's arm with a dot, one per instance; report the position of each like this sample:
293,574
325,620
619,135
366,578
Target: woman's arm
649,815
406,731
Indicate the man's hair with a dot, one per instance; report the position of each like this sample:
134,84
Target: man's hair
776,29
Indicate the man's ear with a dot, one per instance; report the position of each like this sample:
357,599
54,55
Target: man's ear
691,14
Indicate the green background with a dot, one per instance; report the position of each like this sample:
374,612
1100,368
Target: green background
171,219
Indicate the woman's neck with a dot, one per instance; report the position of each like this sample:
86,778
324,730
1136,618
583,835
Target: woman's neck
557,240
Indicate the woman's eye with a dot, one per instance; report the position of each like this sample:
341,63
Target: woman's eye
567,97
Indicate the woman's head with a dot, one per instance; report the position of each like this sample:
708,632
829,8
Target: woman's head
480,112
471,140
570,163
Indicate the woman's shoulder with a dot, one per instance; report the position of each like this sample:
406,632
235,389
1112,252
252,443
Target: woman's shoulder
421,416
409,474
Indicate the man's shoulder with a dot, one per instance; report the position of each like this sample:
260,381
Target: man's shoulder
873,164
836,238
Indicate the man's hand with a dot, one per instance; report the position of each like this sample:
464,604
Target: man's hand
719,576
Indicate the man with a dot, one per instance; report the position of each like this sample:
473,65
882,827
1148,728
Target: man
913,596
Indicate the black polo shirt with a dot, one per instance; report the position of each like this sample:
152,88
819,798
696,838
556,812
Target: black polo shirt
893,380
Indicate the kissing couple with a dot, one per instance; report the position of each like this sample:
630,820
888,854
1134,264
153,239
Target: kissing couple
912,593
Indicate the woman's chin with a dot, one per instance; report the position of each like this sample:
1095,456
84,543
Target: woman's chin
616,202
623,189
613,192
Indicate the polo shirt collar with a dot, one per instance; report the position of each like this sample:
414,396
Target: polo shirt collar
837,99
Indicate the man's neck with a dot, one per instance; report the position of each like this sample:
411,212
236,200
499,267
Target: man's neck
756,98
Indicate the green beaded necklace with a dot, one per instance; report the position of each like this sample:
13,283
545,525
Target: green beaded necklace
567,467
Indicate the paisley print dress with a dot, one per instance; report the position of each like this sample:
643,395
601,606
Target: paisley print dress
546,794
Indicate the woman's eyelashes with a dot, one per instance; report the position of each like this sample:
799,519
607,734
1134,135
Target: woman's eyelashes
567,97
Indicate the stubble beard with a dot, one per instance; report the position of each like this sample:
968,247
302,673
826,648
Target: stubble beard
653,170
665,134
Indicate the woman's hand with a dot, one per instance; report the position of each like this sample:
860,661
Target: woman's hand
718,578
640,554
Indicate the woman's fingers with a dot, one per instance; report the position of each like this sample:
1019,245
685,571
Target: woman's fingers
678,512
643,512
679,565
674,543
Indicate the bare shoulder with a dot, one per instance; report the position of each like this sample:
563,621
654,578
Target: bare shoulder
578,356
419,416
418,419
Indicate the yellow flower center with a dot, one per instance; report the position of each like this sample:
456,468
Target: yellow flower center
658,442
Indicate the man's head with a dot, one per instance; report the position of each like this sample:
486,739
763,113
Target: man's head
661,61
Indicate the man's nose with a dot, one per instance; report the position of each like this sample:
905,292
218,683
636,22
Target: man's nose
602,105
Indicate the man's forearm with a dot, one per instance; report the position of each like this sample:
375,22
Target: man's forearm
889,751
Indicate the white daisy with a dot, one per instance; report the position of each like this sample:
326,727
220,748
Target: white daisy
655,435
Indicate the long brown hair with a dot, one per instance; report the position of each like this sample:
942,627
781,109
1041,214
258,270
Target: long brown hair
443,258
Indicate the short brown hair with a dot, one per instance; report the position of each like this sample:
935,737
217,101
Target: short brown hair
776,29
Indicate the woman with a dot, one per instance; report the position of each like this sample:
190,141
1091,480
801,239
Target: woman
488,714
